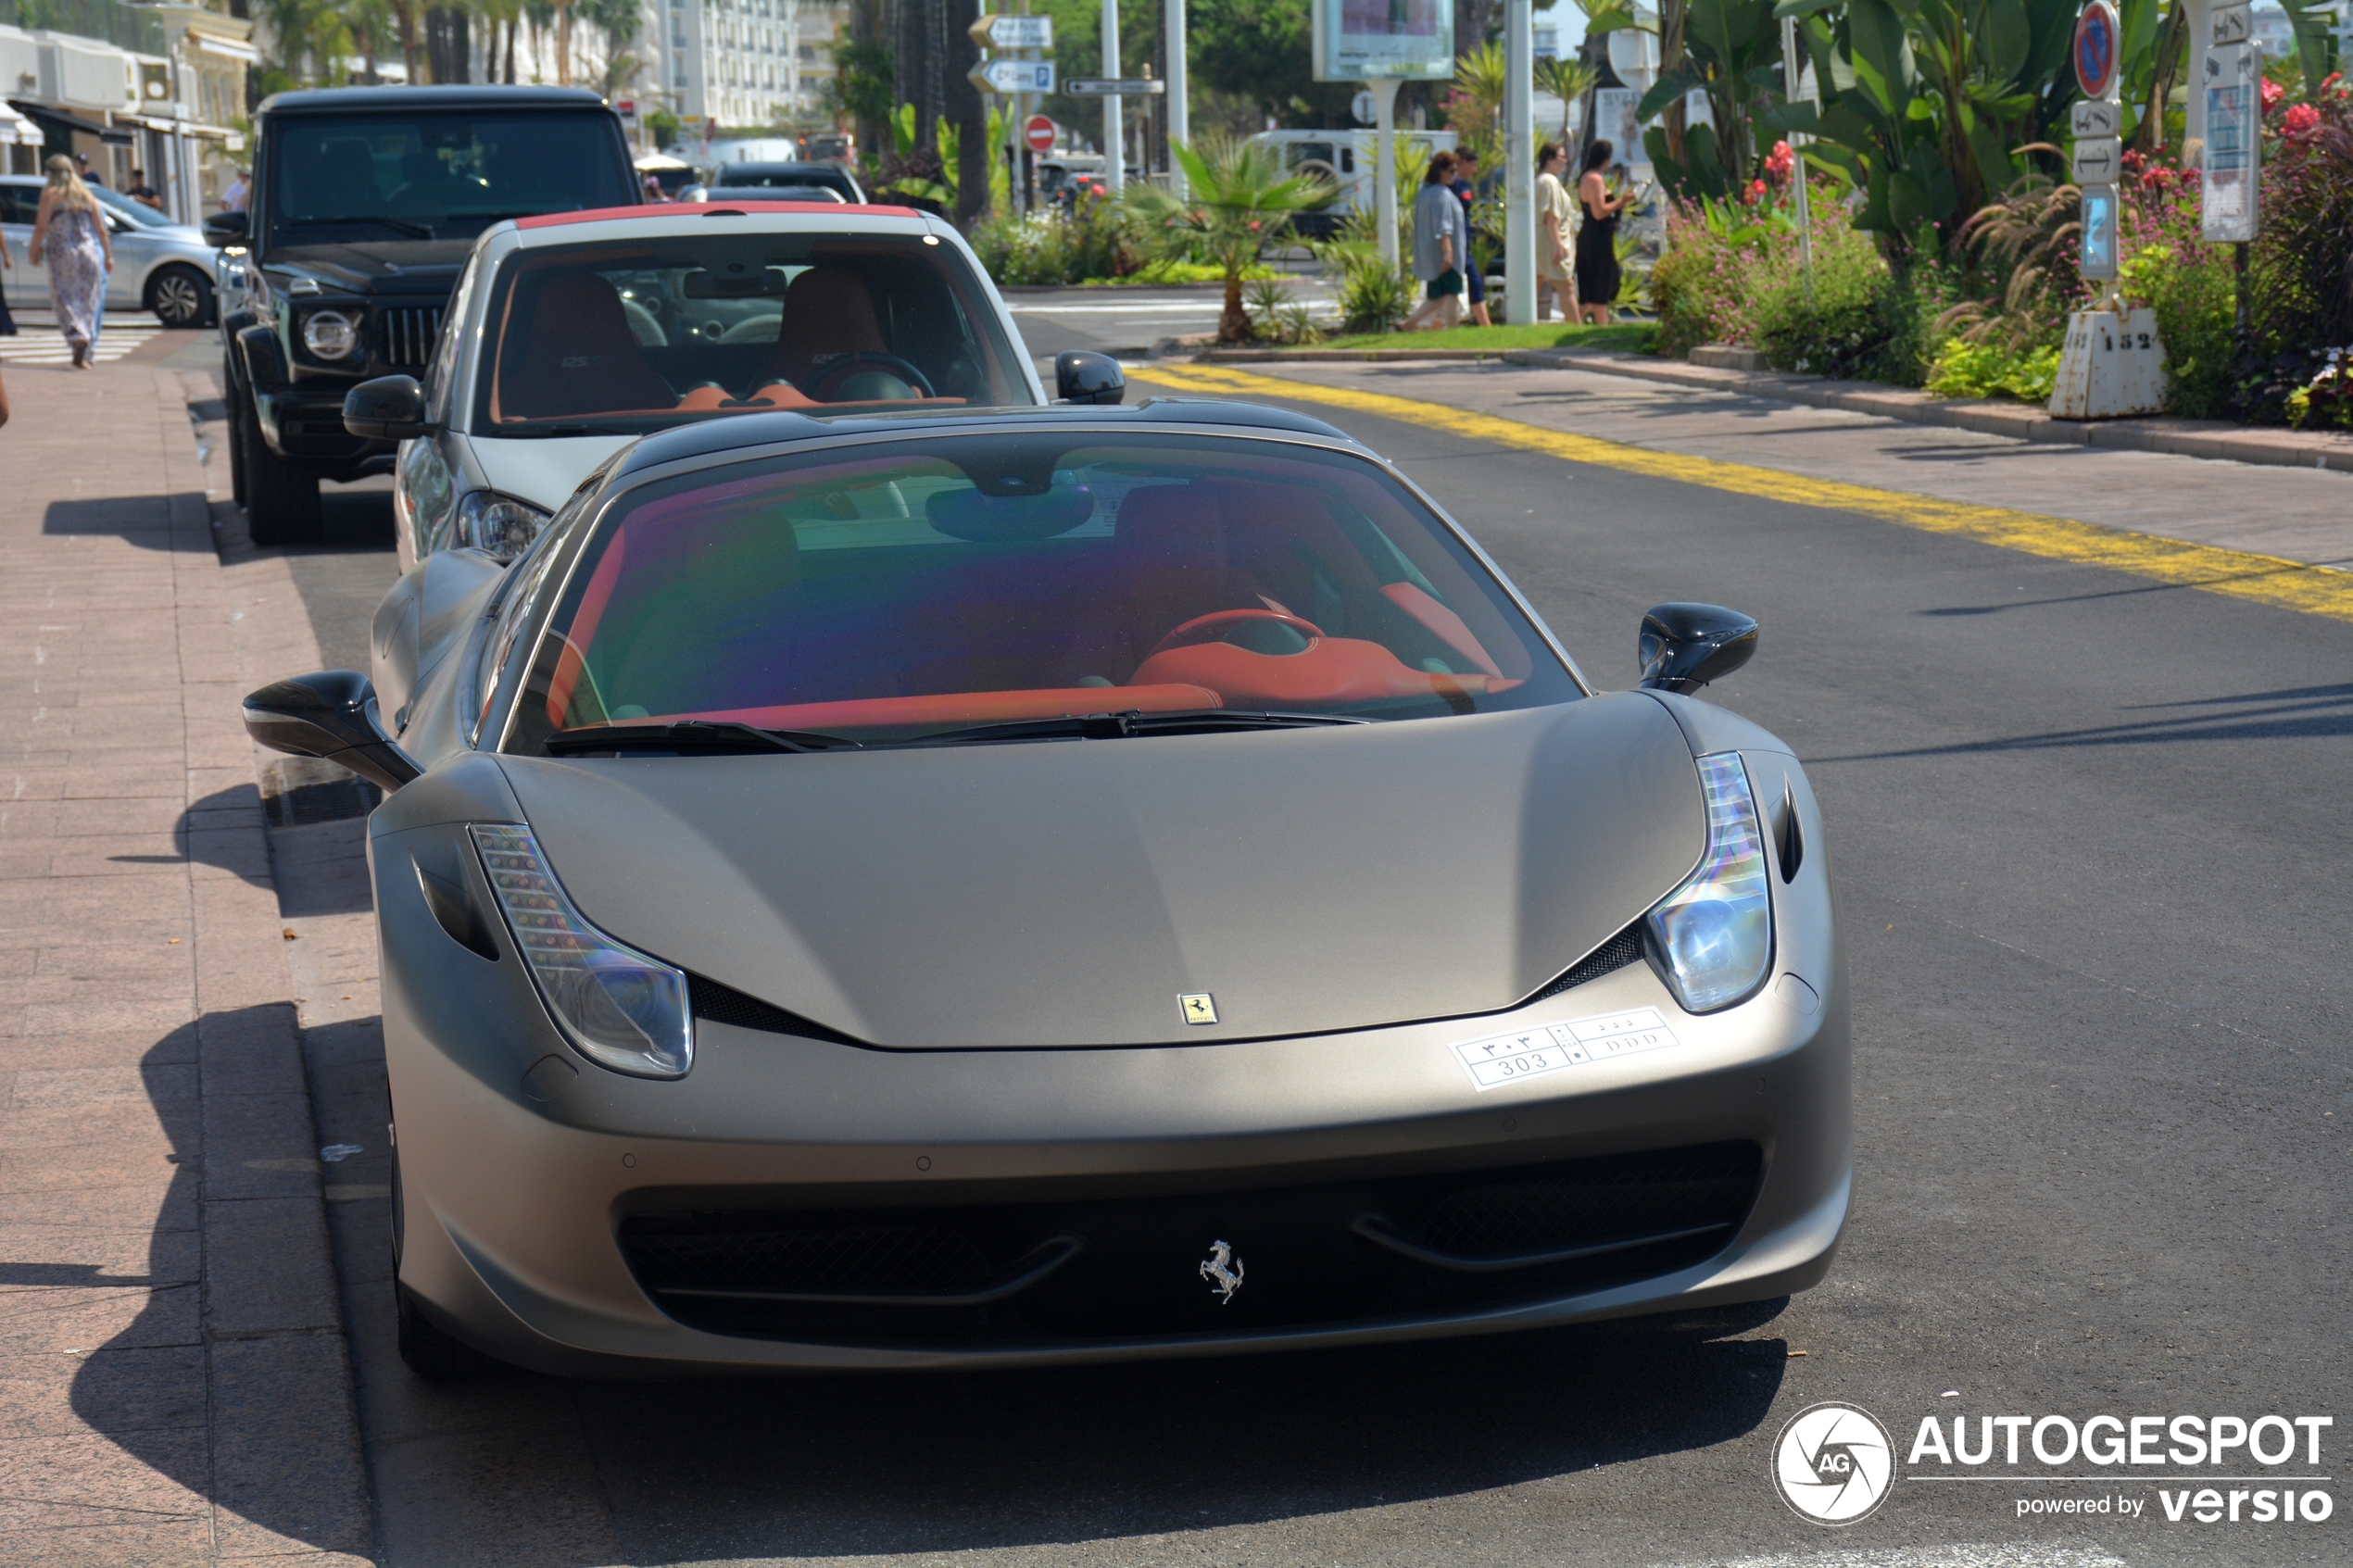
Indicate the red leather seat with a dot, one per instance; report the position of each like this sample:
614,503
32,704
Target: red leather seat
577,356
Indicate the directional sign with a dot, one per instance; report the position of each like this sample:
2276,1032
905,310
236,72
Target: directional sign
1362,107
1038,132
1013,76
2099,232
2230,24
1115,87
2095,117
1014,32
2095,160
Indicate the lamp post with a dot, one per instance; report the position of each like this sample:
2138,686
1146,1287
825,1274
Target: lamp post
1114,133
1181,130
1519,163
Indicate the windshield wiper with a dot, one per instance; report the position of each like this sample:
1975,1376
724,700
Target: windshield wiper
401,225
693,736
1118,726
565,429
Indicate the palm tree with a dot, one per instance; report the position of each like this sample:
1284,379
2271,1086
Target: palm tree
1565,78
1241,198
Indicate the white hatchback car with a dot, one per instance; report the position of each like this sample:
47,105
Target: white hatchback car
571,334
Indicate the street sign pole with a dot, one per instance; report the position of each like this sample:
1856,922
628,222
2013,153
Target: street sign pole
1114,133
1790,71
1519,164
1385,164
1179,121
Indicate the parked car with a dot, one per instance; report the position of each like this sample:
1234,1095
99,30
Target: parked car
159,265
577,332
366,202
783,182
992,887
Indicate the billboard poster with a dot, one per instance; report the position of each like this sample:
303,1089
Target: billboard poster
1369,39
2228,197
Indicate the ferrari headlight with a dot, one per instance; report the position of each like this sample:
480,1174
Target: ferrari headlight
1712,936
329,334
499,526
622,1008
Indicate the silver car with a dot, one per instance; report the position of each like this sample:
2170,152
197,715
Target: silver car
992,888
159,265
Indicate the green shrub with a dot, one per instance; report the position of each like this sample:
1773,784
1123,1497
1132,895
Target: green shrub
1994,369
1055,245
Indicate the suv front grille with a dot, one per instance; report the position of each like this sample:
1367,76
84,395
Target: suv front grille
406,334
1107,1269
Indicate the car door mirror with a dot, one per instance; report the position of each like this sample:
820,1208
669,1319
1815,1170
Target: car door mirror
1683,646
225,228
1083,377
332,714
387,408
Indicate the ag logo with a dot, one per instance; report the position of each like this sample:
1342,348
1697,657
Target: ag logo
1833,1463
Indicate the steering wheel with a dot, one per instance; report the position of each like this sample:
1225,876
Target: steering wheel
1212,627
821,386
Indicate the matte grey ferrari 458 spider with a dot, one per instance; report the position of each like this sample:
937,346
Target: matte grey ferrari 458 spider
989,887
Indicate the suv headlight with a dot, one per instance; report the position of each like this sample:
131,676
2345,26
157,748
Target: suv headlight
329,334
1713,937
499,526
619,1008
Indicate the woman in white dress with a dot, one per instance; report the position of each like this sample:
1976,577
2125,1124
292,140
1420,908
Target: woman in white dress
1554,239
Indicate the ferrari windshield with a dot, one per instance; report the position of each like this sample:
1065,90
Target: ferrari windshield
640,335
913,588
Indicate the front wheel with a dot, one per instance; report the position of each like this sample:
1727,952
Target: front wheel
281,503
180,297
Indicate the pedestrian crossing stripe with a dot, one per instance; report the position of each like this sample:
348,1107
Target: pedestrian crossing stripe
45,345
2242,574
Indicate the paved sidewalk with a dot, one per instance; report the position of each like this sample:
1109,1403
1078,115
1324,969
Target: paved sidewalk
2297,514
174,1386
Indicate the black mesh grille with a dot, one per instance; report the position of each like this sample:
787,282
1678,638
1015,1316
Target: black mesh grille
724,1004
843,1260
1129,1268
1514,1218
1610,957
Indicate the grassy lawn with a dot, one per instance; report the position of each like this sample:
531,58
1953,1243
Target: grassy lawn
1544,334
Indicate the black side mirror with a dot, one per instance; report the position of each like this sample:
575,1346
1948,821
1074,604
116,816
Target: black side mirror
1683,646
387,408
332,714
1083,377
225,228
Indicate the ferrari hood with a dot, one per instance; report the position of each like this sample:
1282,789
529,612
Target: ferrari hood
1070,893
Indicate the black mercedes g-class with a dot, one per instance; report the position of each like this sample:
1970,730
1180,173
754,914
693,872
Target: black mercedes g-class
366,203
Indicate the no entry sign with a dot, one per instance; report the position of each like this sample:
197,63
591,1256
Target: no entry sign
1039,132
2096,49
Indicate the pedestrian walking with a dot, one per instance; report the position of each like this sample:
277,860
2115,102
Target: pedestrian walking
67,233
7,323
1442,244
1467,186
1597,275
1556,236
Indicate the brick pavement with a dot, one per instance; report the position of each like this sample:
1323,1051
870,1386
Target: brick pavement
174,1385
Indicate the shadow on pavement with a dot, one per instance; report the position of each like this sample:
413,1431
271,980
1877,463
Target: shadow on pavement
958,1462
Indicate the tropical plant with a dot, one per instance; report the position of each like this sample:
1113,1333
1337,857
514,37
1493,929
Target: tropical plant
1992,370
1241,198
1475,108
1568,79
1926,104
1276,316
1727,48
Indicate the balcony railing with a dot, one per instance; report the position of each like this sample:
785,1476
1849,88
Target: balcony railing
126,27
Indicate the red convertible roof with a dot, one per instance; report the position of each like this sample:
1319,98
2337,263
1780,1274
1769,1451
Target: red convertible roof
705,209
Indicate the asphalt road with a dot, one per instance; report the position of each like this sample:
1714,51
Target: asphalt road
2089,835
1126,320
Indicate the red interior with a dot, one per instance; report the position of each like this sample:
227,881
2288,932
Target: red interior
1330,671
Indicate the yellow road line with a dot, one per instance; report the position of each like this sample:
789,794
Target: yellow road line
2269,580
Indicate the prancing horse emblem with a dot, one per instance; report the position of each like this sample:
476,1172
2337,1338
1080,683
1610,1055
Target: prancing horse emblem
1223,1270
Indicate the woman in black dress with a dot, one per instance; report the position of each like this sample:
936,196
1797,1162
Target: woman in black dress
1597,237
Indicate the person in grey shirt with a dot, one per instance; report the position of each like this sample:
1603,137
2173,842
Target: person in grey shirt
1441,244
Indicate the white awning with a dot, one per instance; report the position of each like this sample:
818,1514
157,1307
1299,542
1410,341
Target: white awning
226,48
655,162
16,130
